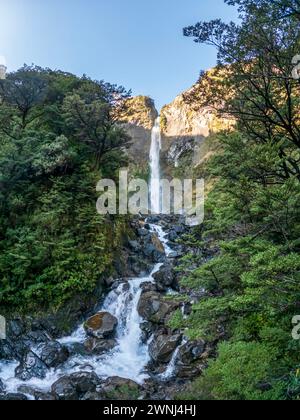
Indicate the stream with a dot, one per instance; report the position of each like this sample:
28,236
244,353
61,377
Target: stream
130,357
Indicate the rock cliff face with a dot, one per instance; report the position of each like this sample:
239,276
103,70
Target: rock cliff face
138,119
186,124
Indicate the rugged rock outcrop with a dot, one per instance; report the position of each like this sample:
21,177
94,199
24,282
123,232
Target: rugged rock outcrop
187,122
138,118
31,367
95,346
54,354
163,346
75,386
152,307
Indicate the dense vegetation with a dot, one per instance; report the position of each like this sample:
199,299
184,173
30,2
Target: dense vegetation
57,138
252,225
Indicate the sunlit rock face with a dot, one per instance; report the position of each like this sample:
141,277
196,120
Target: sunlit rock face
138,118
186,123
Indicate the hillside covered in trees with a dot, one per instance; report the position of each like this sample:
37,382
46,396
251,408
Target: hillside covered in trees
58,138
250,263
171,312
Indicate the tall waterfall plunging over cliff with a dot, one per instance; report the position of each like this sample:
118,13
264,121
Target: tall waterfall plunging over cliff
155,149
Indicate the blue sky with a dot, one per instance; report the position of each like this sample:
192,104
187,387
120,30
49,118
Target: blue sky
135,43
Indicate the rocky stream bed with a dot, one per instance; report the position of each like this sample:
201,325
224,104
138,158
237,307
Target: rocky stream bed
124,349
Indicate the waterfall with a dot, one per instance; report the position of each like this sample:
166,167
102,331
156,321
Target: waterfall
128,359
155,168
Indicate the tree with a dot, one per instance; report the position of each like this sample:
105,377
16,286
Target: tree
253,81
89,115
25,90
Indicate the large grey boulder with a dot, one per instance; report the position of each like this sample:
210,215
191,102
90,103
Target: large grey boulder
165,278
163,346
152,307
75,386
54,354
98,347
102,325
192,351
30,367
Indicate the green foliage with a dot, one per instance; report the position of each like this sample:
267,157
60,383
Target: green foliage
249,265
53,244
242,371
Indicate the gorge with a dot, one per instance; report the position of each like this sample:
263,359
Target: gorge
126,343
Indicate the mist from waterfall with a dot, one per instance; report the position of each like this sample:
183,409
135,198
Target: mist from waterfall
155,195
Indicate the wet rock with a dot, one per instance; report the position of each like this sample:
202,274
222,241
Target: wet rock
36,337
134,245
40,396
143,232
26,390
2,387
102,325
116,388
147,331
179,229
148,287
96,346
163,346
30,367
54,354
13,397
192,351
165,279
188,371
92,396
75,386
157,243
15,328
153,219
153,308
173,236
6,351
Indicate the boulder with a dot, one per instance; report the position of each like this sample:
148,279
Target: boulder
30,367
102,325
165,279
173,236
116,388
6,351
192,351
157,243
134,245
143,232
188,371
2,387
13,397
163,346
54,354
75,386
153,308
40,396
15,328
96,346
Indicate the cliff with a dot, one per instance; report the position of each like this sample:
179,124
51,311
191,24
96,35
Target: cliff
188,121
138,117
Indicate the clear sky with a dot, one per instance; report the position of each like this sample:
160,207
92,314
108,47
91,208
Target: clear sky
135,43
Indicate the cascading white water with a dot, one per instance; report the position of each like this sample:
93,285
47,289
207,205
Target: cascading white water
128,359
155,196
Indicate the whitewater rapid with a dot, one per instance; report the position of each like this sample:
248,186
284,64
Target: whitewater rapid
128,359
